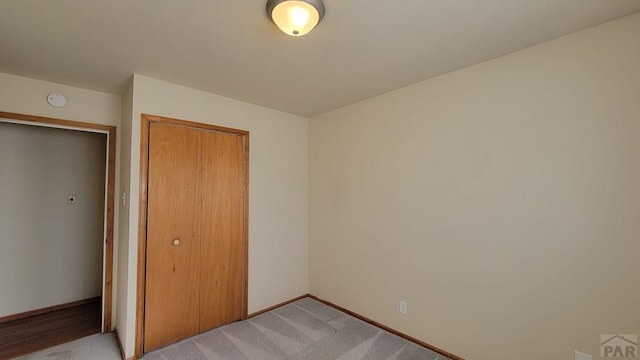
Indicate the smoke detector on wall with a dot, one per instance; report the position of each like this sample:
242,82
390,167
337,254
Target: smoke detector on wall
56,100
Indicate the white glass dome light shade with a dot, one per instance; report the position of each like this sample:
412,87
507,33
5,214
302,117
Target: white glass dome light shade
295,17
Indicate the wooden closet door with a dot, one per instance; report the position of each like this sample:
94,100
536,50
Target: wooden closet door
173,245
222,229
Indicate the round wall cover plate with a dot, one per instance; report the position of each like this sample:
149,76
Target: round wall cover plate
57,100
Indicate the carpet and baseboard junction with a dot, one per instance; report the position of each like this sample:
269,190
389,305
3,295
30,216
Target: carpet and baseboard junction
306,329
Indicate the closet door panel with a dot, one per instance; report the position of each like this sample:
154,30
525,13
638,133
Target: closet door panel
173,244
222,229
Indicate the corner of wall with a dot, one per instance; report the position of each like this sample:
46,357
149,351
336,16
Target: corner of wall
123,283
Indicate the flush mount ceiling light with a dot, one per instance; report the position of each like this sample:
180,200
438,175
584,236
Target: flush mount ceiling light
295,17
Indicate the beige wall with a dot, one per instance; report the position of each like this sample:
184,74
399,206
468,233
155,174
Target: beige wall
51,251
29,96
500,201
278,267
126,289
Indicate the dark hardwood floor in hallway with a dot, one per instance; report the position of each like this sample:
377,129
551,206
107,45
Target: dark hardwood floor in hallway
33,333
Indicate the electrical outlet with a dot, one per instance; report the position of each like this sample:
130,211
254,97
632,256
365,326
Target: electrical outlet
72,199
403,307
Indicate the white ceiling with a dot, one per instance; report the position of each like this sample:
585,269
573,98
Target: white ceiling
229,47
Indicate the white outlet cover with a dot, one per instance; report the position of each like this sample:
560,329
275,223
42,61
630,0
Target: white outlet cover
56,100
403,307
583,356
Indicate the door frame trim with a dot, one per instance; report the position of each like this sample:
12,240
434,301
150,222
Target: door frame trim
107,296
146,120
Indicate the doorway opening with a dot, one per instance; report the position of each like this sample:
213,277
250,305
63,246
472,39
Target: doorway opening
57,215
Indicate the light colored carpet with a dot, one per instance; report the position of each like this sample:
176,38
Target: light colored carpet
303,330
94,347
